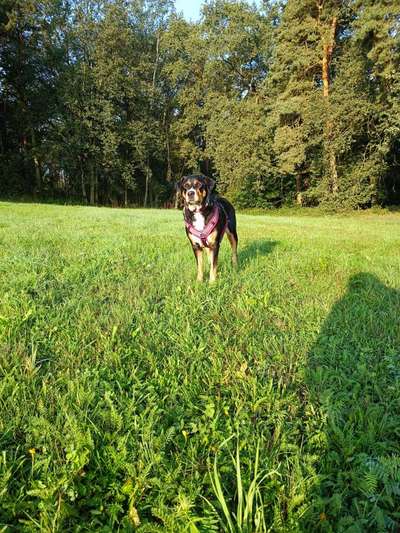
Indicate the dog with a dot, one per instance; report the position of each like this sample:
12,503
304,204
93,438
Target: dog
207,217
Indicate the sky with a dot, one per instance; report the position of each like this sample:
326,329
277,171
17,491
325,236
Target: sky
190,8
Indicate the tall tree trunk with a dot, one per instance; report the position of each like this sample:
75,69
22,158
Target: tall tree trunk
84,197
25,172
169,166
148,170
3,132
147,185
83,187
167,144
126,195
333,170
38,175
299,197
96,185
156,62
92,185
326,61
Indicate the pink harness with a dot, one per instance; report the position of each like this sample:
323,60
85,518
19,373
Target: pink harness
208,229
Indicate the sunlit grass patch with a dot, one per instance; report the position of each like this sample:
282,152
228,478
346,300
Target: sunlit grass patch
121,378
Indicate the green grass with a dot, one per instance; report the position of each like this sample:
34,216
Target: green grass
133,398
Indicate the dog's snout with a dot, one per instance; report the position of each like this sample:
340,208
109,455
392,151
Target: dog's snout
190,194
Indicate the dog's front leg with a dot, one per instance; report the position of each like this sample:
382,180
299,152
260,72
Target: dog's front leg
213,259
198,253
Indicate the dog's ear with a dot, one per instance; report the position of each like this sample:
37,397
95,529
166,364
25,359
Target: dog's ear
179,184
210,184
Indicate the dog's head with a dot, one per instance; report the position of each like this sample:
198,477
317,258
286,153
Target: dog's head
196,190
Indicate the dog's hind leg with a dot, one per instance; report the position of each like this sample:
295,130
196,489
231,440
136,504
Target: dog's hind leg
233,239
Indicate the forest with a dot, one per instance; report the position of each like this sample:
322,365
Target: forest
110,102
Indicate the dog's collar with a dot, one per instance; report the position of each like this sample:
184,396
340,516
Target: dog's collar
208,229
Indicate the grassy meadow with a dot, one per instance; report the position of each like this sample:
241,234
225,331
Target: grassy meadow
132,398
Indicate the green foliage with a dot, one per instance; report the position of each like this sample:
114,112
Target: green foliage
249,512
110,102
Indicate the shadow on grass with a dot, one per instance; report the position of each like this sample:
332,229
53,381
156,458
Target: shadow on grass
353,378
254,249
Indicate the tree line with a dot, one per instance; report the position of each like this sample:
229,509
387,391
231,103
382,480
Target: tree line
110,102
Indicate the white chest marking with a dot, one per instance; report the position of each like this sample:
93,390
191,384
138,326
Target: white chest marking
198,221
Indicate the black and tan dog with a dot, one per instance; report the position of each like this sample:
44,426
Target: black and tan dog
207,216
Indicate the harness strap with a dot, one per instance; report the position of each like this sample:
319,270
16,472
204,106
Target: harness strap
209,227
